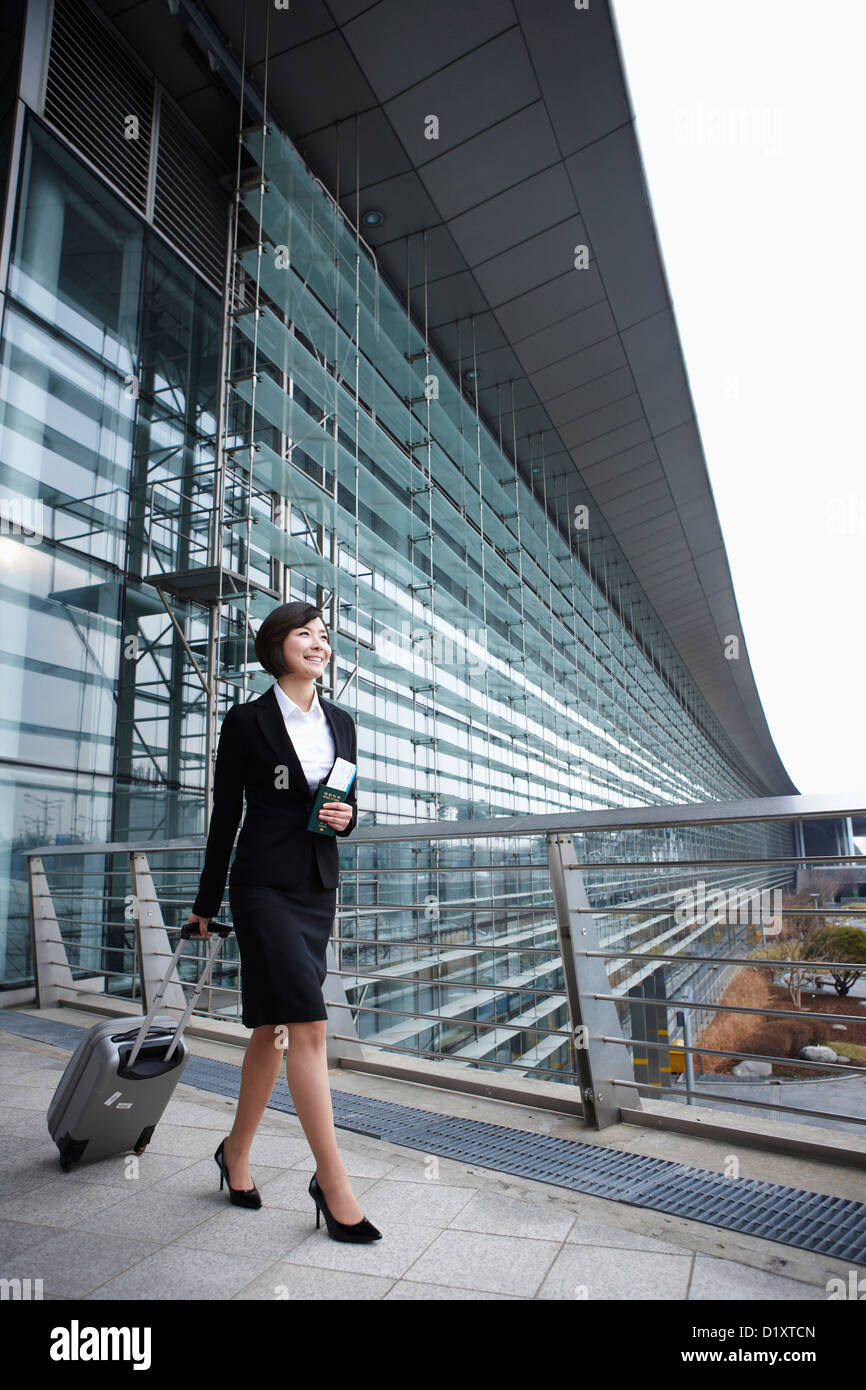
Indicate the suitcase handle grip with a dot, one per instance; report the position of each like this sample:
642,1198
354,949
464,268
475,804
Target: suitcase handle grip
191,929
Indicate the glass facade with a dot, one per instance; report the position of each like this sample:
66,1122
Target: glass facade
302,436
487,673
109,368
468,623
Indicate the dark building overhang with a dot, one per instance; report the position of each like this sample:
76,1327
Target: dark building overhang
536,154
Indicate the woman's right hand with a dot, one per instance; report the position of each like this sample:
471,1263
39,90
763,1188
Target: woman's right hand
202,925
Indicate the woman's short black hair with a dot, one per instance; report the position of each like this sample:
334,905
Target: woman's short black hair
272,633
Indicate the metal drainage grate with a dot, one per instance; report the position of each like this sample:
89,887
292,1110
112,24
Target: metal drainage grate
792,1216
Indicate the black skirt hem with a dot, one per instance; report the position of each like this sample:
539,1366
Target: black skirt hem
286,1023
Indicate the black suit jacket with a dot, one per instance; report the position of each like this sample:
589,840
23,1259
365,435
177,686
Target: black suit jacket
253,755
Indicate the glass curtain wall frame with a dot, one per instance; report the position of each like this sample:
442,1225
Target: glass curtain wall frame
163,706
66,431
108,381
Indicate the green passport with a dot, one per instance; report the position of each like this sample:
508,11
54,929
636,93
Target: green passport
336,788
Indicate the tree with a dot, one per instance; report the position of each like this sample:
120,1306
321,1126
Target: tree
792,975
840,943
823,884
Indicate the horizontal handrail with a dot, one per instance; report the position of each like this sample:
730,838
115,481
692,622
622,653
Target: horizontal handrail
661,910
662,816
443,945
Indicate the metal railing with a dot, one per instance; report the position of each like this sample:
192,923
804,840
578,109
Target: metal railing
542,948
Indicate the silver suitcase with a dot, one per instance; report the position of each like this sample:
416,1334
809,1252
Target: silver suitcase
120,1078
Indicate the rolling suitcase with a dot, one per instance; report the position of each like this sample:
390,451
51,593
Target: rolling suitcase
120,1078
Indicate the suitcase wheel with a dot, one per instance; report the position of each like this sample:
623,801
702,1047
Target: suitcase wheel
70,1151
143,1139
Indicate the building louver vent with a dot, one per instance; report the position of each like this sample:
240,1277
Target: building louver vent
190,207
93,87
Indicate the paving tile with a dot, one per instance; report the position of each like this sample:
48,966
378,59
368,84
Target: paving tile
715,1278
499,1215
600,1272
405,1289
279,1151
129,1171
357,1163
61,1202
72,1263
266,1231
15,1061
151,1215
585,1231
24,1097
203,1176
488,1263
427,1203
413,1165
185,1112
16,1150
39,1071
28,1172
280,1122
289,1190
178,1273
16,1236
284,1281
399,1247
37,1158
185,1141
16,1119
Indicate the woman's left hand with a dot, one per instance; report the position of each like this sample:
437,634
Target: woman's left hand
336,814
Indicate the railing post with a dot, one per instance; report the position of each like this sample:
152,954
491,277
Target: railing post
585,976
51,963
154,949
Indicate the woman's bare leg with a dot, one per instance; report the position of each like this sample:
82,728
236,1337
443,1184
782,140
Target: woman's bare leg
307,1075
261,1067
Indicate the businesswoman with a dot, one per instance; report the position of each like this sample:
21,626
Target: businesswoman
277,749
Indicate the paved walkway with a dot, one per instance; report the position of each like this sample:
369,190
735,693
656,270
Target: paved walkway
159,1228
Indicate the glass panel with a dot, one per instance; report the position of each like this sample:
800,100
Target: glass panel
77,257
66,427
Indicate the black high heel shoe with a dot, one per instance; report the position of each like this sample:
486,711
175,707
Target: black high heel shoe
240,1196
358,1231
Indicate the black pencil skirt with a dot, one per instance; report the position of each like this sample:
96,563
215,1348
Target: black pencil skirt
282,941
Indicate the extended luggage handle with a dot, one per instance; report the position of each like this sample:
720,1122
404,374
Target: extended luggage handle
214,925
188,931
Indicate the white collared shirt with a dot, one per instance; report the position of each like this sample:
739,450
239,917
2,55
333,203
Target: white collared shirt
311,736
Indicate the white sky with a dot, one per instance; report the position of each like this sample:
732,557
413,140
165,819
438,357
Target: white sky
751,126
